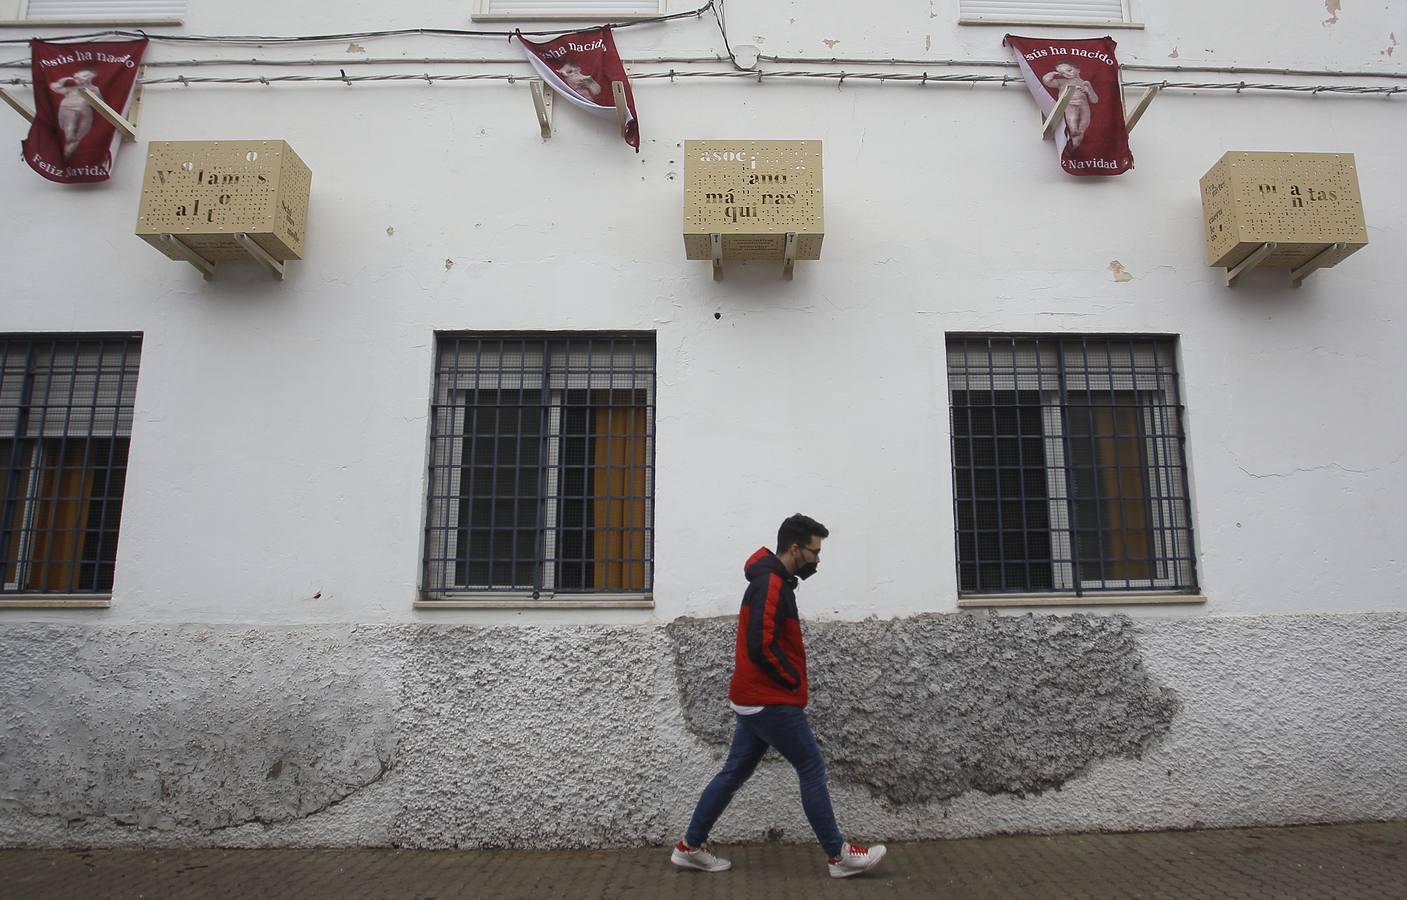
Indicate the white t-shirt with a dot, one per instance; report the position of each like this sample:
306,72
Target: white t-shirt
745,710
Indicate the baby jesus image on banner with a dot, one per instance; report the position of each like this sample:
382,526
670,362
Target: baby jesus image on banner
580,67
69,142
1090,138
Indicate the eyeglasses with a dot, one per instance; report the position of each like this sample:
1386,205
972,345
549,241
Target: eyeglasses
815,550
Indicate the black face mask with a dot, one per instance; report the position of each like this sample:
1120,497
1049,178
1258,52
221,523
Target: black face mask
806,571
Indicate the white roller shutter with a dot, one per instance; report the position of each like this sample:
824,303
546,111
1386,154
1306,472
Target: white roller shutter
568,9
1046,10
106,10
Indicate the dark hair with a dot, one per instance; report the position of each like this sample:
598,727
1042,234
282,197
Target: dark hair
799,529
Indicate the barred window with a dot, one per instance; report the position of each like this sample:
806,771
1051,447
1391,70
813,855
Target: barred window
1068,466
65,426
541,465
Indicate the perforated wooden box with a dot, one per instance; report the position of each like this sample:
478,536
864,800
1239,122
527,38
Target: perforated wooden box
752,193
205,192
1303,202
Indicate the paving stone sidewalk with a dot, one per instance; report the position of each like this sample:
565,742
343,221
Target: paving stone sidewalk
1333,862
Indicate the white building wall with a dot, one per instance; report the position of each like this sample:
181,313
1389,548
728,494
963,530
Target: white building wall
278,456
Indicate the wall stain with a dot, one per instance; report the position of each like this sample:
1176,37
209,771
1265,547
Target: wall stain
1334,7
931,707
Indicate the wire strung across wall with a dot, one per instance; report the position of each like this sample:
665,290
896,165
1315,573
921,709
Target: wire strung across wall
360,35
717,7
840,77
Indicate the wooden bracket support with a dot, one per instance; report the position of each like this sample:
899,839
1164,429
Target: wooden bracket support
1141,107
542,103
183,250
789,255
260,255
715,242
1319,260
622,108
1257,256
114,118
1048,126
16,105
134,107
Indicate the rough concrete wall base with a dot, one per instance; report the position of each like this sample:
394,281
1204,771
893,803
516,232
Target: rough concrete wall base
935,726
932,707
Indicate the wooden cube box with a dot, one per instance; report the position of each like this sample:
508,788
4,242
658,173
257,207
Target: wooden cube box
752,193
205,192
1303,202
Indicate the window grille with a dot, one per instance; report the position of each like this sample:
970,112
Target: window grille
541,465
65,428
1068,465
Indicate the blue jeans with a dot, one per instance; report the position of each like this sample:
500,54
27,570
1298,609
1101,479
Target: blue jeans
786,729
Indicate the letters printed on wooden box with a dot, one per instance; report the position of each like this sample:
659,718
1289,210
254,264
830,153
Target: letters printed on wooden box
205,192
753,193
1304,203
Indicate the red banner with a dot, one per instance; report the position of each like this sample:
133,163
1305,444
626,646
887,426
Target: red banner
581,67
1090,138
69,142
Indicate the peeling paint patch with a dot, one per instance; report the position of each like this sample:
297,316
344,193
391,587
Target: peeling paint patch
829,43
1334,7
1174,54
449,264
931,707
391,230
354,47
928,42
1120,273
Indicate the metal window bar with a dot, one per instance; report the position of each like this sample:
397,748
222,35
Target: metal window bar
66,409
1068,464
554,509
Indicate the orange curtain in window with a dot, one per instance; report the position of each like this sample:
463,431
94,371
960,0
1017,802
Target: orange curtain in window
1125,501
20,483
61,515
618,499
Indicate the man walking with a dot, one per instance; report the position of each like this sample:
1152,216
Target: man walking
768,694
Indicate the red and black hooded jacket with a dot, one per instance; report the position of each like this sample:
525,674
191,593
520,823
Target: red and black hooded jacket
770,665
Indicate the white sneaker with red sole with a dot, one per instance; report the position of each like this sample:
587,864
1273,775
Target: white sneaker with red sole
854,859
700,858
